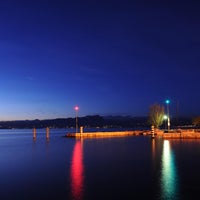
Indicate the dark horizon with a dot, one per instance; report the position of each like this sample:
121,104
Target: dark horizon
103,116
92,122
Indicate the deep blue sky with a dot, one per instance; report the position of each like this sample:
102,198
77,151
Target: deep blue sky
108,57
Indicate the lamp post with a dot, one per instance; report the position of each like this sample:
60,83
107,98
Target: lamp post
76,108
168,119
165,118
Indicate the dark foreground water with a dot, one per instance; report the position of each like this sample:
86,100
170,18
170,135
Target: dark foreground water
133,167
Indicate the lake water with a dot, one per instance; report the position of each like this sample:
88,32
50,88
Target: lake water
133,167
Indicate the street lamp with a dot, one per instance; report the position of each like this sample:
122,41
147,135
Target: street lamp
165,118
76,108
168,119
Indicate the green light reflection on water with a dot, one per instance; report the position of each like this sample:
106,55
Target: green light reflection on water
169,185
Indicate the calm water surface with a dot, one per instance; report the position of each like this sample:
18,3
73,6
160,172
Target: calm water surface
133,167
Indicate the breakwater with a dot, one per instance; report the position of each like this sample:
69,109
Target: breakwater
179,134
182,135
172,134
105,134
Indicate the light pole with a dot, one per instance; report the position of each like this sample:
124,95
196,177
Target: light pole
168,119
165,118
76,108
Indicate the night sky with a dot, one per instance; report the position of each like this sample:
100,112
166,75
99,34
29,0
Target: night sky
108,57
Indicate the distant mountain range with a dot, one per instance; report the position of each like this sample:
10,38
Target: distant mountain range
88,121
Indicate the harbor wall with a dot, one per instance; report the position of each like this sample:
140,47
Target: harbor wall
172,134
105,134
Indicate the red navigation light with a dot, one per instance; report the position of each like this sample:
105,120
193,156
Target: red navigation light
76,108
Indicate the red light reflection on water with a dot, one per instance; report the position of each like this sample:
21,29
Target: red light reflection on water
77,171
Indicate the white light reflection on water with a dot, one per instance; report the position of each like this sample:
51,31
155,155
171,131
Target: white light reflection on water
169,183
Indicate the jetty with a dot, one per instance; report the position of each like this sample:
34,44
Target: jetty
182,135
179,134
105,134
157,133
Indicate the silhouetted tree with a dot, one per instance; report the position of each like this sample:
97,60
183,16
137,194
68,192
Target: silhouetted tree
156,115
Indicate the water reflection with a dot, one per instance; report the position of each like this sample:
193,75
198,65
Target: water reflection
169,184
77,170
153,148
